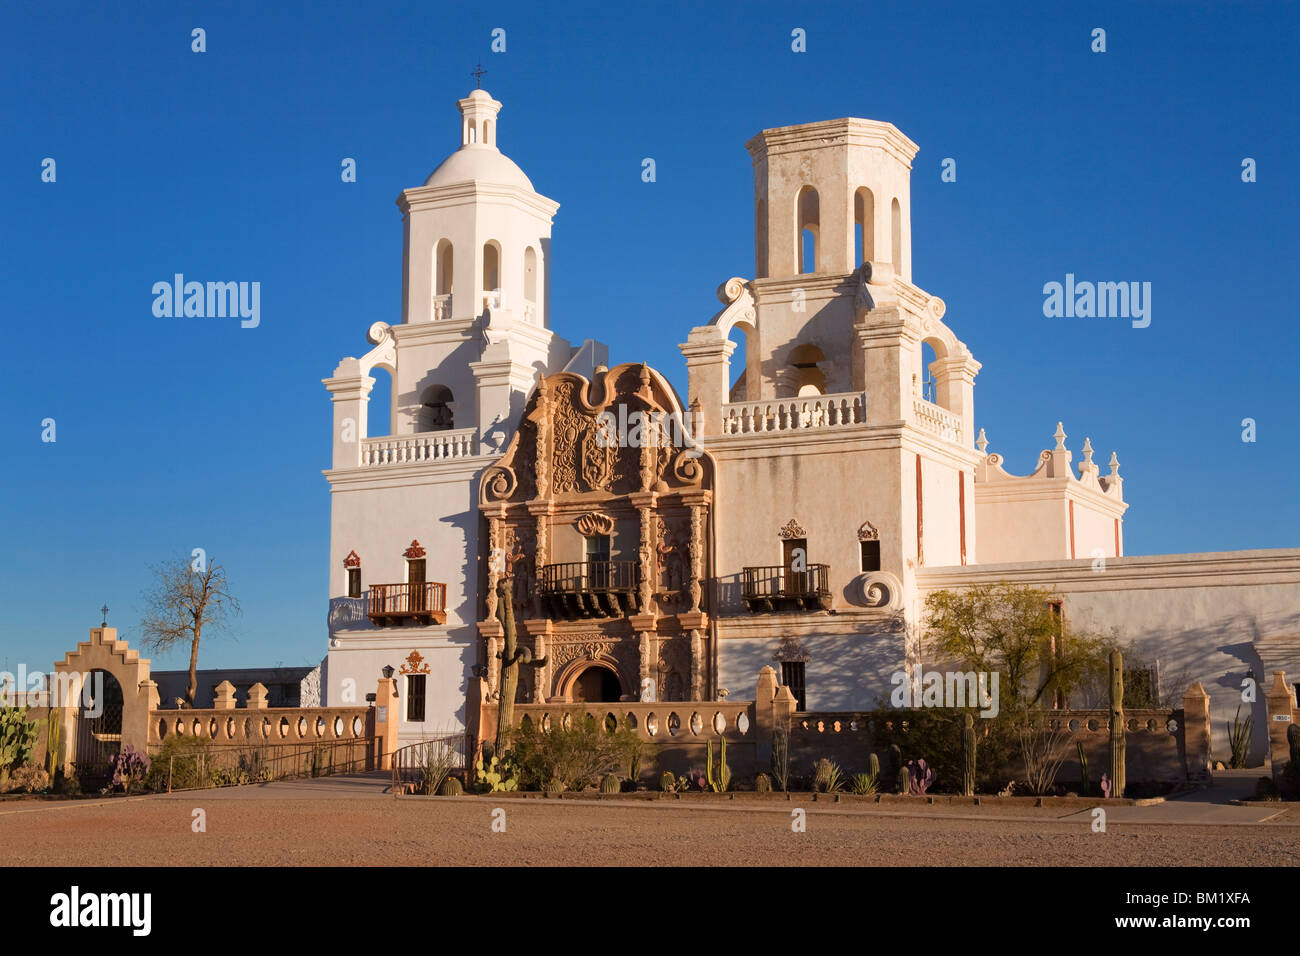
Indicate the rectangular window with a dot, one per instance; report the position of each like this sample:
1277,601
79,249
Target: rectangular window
870,555
792,677
596,547
1139,687
415,697
354,582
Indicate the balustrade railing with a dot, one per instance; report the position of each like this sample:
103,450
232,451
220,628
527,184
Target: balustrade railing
581,589
794,414
391,603
937,420
767,588
659,722
262,726
424,446
590,576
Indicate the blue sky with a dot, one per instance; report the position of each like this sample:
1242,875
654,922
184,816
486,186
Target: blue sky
176,434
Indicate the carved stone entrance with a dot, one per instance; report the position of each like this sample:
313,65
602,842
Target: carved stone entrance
596,684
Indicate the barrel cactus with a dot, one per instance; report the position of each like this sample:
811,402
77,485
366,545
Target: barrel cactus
553,786
873,766
667,782
609,783
763,783
451,787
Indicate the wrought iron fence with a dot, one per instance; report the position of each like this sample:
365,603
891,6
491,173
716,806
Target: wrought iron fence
217,766
422,767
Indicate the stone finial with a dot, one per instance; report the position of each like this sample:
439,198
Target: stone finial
1087,451
982,443
1060,436
224,698
257,697
1114,464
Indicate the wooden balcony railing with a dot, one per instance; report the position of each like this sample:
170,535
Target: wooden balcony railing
402,603
591,589
777,588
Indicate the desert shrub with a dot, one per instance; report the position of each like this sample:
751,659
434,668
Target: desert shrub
186,758
29,778
1266,789
864,784
935,734
1239,738
827,776
577,755
435,760
1042,752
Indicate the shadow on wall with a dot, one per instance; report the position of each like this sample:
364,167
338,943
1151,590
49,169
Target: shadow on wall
350,614
1219,653
463,522
841,671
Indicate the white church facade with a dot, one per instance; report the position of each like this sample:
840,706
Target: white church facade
794,509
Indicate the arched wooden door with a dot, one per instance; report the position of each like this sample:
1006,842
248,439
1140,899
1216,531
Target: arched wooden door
596,685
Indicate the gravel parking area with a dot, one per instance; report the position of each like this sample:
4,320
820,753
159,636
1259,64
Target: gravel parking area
351,824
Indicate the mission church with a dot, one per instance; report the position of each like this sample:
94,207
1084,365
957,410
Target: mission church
793,510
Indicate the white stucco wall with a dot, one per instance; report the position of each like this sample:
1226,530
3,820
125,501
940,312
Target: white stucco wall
1213,617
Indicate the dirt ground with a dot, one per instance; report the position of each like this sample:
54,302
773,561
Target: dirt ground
254,826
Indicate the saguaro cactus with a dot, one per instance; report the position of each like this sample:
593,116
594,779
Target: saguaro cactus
54,744
968,755
901,779
1117,780
512,657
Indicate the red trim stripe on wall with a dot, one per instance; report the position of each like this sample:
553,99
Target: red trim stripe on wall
961,508
1071,529
920,538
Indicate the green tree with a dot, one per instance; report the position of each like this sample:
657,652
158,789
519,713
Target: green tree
1018,632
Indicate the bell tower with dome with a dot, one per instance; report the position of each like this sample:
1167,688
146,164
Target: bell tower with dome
477,234
472,342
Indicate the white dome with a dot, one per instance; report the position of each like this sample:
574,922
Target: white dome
478,163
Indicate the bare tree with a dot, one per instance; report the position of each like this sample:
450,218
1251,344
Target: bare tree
187,597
